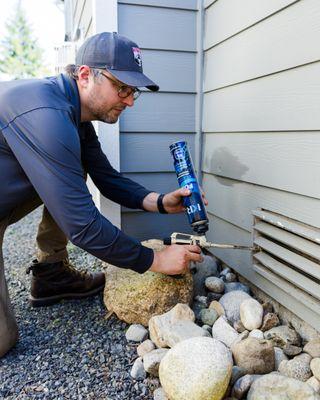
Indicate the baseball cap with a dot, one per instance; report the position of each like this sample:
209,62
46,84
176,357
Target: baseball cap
118,55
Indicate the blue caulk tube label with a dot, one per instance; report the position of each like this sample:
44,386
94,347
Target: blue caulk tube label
195,208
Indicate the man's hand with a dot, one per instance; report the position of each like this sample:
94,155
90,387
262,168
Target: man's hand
173,201
175,259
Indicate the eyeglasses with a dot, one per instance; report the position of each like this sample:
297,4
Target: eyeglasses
124,90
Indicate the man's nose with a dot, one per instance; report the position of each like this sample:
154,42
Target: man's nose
128,101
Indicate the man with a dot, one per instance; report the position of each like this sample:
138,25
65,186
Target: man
47,146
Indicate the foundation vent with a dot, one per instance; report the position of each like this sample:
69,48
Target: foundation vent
287,253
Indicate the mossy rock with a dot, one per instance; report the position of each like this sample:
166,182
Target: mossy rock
135,298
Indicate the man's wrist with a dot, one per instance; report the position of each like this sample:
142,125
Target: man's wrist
150,202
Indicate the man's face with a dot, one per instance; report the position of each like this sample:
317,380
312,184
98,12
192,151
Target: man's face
101,99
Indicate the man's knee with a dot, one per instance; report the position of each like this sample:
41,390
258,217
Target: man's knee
8,329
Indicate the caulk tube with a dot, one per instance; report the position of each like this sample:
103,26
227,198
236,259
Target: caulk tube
195,208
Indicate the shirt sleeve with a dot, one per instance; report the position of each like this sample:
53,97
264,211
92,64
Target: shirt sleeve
111,183
47,146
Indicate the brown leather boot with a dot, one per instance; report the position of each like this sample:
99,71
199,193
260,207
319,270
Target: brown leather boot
52,282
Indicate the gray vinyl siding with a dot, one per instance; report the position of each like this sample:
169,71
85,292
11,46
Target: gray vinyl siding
81,17
166,32
261,123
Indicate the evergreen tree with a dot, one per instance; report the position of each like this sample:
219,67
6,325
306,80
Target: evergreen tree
20,55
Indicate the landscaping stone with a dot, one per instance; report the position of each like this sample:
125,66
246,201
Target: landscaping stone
314,383
135,297
237,372
145,347
229,287
297,368
209,316
313,348
231,303
196,369
231,277
137,371
315,367
222,331
283,335
159,394
255,356
160,324
278,357
151,361
251,313
278,387
136,333
256,333
182,330
214,284
209,267
218,307
270,320
242,386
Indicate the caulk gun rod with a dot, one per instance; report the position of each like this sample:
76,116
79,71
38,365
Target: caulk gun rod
229,246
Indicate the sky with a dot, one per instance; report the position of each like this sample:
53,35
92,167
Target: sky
46,21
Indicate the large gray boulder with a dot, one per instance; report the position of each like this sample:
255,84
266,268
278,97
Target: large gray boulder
196,369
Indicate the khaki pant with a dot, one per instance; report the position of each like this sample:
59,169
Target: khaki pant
51,243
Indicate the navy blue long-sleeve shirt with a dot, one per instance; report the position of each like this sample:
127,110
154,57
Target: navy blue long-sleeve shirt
45,150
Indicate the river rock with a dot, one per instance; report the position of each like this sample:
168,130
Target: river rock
283,335
208,267
315,367
231,303
237,373
238,326
231,277
251,313
182,330
254,355
135,297
297,368
159,394
218,307
136,333
242,386
270,320
160,324
231,286
208,316
222,331
214,284
137,371
314,383
291,350
278,357
256,333
196,369
278,387
313,348
145,347
151,361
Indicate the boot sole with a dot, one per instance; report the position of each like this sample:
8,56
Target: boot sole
48,301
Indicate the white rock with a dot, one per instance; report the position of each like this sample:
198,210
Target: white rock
231,277
256,333
278,387
151,361
315,367
162,323
196,369
182,330
136,333
314,383
137,371
222,331
231,303
145,347
214,284
251,314
159,394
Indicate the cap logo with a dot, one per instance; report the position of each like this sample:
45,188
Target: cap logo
137,55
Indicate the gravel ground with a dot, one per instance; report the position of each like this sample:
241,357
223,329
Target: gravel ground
68,350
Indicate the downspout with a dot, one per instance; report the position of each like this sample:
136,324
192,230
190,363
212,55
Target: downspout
199,90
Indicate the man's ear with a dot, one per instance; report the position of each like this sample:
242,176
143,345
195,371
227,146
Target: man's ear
83,75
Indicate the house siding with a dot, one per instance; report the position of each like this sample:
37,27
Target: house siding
261,123
166,32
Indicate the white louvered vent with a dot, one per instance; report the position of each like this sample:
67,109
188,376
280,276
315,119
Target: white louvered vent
288,254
